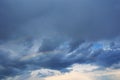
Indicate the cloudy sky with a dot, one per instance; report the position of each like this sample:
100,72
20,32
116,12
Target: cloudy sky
59,40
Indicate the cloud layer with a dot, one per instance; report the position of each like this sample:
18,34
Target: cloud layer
81,19
77,72
57,34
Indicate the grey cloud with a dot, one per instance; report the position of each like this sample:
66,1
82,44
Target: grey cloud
108,58
82,54
54,23
7,65
49,45
57,58
74,19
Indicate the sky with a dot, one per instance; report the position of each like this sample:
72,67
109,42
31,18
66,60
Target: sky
59,40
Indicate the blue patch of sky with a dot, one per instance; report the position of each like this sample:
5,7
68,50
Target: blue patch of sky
97,46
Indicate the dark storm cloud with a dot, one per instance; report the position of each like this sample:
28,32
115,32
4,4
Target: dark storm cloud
14,15
76,19
49,45
75,44
108,58
60,62
6,65
55,22
83,54
11,66
56,58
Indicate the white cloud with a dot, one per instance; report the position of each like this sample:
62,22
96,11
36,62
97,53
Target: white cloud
77,72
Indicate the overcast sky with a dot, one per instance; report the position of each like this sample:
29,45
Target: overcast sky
59,39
